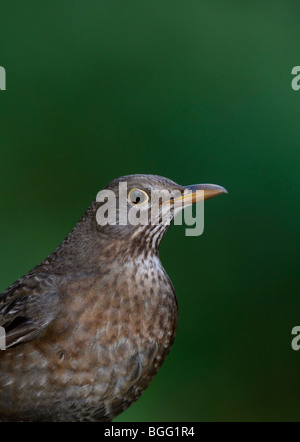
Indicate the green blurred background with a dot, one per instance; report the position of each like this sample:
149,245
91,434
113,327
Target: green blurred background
198,91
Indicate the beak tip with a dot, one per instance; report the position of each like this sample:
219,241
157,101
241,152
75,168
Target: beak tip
211,190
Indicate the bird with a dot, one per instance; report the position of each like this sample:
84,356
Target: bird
89,327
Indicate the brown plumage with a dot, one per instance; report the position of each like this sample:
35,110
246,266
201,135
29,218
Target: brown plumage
90,326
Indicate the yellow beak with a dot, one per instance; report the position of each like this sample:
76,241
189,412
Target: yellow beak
199,192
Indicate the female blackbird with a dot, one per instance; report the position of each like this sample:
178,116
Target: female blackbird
90,326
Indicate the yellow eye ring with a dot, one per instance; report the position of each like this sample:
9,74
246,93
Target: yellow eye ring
137,197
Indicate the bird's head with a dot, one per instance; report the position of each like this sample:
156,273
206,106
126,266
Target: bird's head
143,206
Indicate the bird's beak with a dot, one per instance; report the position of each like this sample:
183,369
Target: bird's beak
192,195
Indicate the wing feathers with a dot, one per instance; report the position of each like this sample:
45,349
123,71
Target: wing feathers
28,307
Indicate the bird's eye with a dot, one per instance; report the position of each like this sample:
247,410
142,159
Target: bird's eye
137,196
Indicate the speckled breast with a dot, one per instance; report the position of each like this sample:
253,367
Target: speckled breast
99,357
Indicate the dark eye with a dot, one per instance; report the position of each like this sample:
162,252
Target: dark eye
137,196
